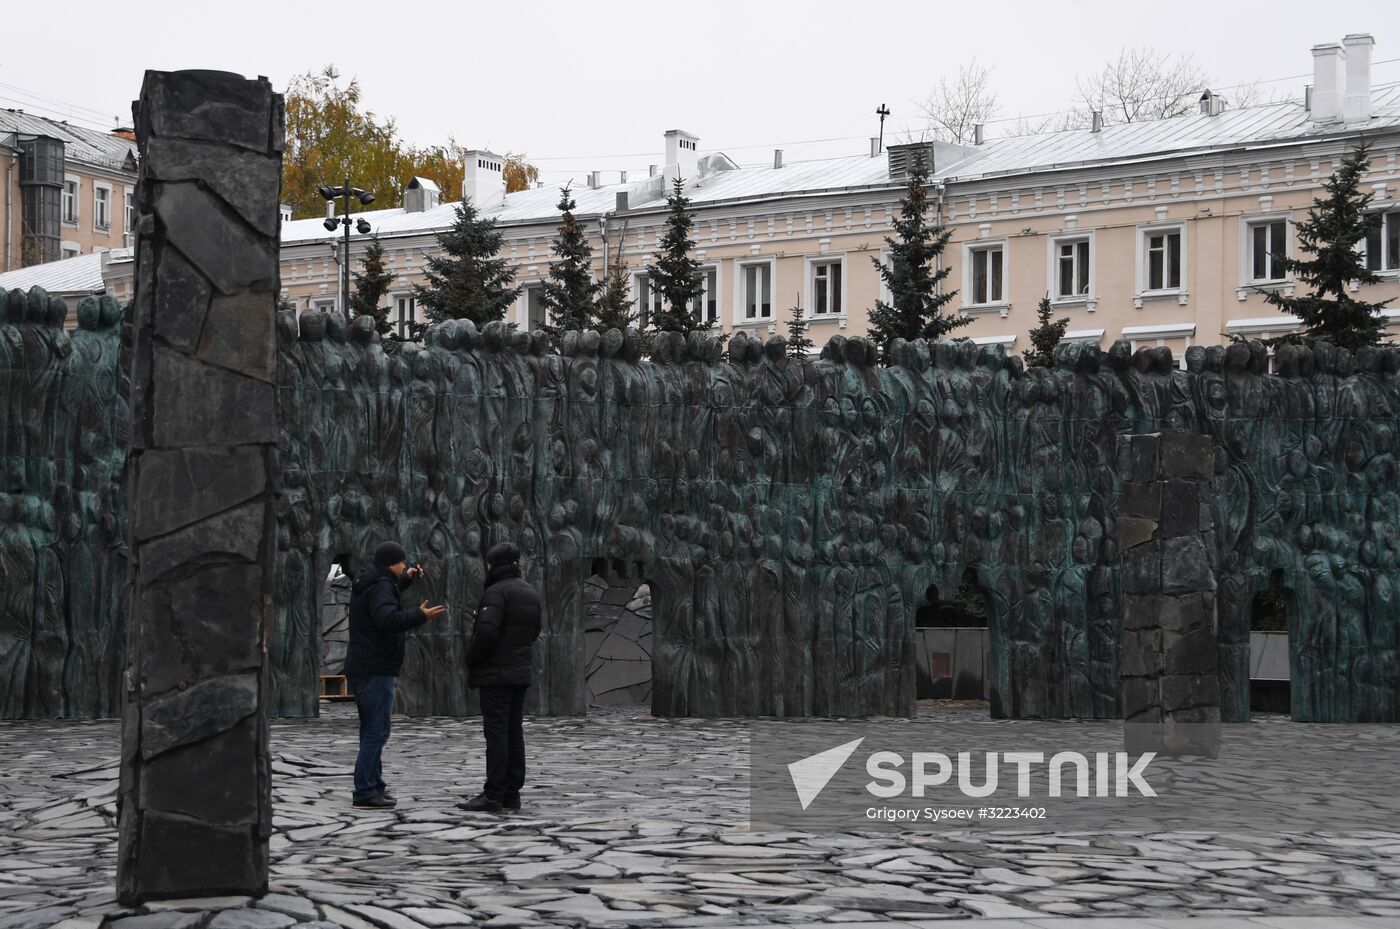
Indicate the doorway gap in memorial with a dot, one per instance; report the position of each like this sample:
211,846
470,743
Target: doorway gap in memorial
1270,690
335,629
952,643
618,637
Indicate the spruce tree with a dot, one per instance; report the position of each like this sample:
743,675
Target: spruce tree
915,308
1337,224
676,273
468,279
372,286
570,294
614,307
798,345
1045,336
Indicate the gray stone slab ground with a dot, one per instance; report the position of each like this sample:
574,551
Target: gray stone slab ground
631,821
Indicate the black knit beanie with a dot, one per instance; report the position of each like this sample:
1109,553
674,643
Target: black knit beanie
389,554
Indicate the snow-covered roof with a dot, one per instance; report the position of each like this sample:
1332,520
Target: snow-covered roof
1275,123
81,274
86,145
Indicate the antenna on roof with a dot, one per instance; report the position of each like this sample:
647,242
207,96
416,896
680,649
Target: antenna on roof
882,111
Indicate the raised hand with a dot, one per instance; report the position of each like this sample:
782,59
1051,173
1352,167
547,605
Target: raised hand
432,612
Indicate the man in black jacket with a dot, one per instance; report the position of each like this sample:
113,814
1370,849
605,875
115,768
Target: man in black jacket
378,622
499,662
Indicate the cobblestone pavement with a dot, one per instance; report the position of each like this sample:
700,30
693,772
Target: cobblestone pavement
631,821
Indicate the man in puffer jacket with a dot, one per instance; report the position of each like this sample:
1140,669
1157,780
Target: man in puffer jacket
378,622
500,662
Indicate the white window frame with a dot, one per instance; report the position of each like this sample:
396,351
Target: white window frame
98,187
810,298
699,311
1387,212
741,266
1144,255
1248,284
397,319
1089,299
523,303
128,211
75,200
69,249
646,315
970,250
1158,334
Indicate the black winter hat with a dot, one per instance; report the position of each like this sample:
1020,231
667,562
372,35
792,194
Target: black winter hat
502,553
389,554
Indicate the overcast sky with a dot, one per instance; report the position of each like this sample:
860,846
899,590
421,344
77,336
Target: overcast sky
592,85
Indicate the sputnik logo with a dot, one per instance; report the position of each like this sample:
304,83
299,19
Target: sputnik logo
811,774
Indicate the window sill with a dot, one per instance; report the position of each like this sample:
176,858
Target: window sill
1089,302
70,224
838,318
105,229
1180,296
1286,287
1001,308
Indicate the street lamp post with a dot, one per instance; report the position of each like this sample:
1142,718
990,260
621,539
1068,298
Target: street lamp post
343,220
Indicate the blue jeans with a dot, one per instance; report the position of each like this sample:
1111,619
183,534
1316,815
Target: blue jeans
374,698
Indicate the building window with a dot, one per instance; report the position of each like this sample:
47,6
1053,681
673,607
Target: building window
1072,258
756,281
1268,246
1383,243
828,287
406,316
129,216
988,281
102,208
649,301
708,308
324,304
70,251
1162,252
70,201
534,307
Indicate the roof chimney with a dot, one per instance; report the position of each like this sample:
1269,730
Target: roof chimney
652,170
1327,82
484,181
1356,105
682,154
978,131
1096,122
420,195
777,158
624,177
1307,98
595,180
874,147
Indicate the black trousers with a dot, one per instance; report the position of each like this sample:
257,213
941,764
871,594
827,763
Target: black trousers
502,710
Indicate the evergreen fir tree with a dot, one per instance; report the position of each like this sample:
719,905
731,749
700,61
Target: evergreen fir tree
614,307
468,279
676,273
570,294
798,345
1337,223
915,309
371,287
1045,336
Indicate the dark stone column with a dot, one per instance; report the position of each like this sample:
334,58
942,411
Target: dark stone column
195,800
1167,658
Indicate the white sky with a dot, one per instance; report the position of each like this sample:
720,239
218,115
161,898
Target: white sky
592,85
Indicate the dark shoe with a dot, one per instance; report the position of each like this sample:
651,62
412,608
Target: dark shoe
480,804
511,803
377,802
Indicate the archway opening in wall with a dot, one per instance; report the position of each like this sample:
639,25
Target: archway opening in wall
618,634
952,642
335,629
1269,677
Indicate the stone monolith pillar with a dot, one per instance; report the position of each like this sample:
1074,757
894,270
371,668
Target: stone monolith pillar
195,799
1167,658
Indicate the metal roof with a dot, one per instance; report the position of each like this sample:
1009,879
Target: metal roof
86,145
1274,123
78,275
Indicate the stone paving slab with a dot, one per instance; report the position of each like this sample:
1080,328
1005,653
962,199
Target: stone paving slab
633,821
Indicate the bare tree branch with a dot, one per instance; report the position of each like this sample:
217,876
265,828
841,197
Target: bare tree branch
959,104
1143,84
